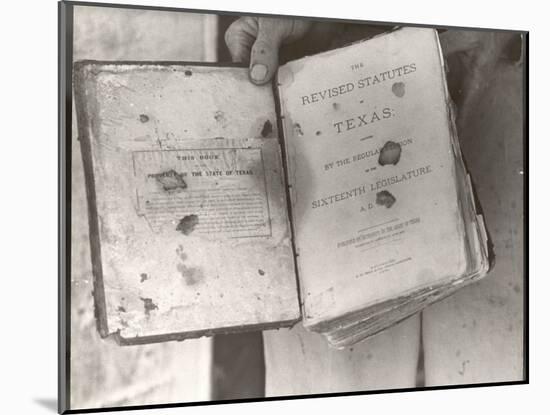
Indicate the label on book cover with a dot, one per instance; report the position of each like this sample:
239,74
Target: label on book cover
224,187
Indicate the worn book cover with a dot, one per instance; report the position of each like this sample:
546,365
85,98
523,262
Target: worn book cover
337,195
188,213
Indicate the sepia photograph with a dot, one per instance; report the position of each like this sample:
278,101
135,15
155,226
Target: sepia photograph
262,207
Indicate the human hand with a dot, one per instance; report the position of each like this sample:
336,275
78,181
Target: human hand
256,41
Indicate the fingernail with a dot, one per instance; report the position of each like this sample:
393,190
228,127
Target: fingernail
258,72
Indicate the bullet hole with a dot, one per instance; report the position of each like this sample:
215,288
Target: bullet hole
261,272
143,277
385,198
262,51
267,129
398,89
219,116
170,180
318,133
121,309
148,305
187,224
335,106
188,73
143,118
298,129
390,153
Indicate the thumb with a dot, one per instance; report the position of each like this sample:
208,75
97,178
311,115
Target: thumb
264,54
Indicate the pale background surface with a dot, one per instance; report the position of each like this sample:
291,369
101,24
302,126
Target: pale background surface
460,335
28,364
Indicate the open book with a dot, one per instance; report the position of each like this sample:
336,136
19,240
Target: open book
336,196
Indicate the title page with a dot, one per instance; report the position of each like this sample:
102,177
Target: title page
371,172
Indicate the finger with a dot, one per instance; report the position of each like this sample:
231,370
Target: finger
264,55
239,38
296,30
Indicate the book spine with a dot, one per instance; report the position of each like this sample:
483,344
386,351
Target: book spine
288,184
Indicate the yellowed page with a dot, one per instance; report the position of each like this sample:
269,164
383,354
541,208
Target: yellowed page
371,171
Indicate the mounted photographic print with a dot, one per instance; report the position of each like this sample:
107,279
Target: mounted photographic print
261,207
